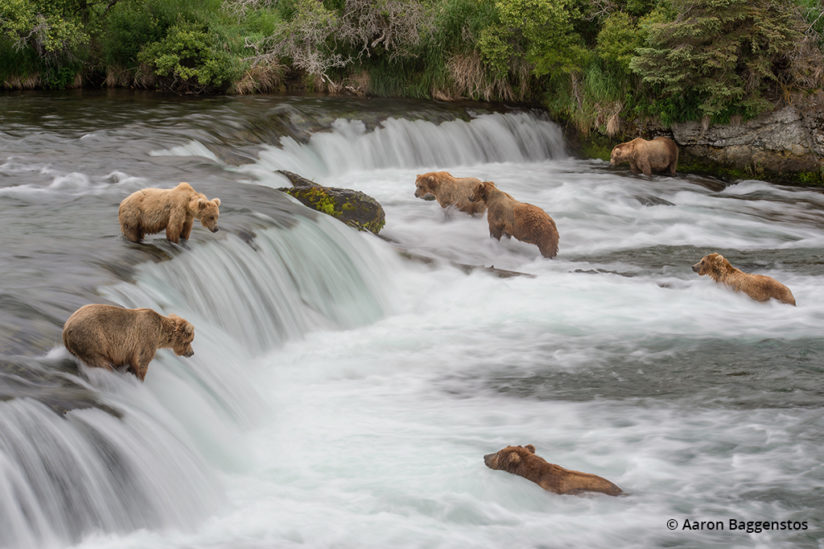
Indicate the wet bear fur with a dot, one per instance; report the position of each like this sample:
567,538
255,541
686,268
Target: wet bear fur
107,336
449,191
759,287
507,216
658,155
521,460
151,210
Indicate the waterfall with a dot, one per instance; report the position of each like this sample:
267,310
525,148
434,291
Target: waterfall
399,143
140,463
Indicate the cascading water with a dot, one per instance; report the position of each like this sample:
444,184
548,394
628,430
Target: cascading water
342,396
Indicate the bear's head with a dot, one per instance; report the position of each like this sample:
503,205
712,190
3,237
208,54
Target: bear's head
207,212
482,191
509,458
714,265
182,335
619,154
426,186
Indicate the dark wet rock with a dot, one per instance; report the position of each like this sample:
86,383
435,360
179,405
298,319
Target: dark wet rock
465,267
651,200
354,208
54,382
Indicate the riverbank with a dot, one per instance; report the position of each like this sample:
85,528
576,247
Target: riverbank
784,145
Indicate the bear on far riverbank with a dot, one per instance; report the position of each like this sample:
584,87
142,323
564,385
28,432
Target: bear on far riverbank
658,155
106,336
151,210
449,191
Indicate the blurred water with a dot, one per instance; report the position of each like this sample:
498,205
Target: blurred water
341,395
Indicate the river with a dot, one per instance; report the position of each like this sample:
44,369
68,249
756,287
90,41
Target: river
345,387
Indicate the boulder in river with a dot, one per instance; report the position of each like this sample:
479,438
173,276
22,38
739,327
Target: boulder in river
354,208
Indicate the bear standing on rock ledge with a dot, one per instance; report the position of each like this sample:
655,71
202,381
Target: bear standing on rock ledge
658,155
106,336
151,210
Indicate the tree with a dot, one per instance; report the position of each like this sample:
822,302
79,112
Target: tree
52,28
716,57
539,31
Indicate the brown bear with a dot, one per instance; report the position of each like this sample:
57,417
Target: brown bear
507,216
758,287
521,460
658,155
151,210
106,336
449,191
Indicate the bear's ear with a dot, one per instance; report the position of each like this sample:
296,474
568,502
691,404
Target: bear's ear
531,448
201,203
513,458
216,201
182,326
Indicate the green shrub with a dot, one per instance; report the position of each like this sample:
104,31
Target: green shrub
716,58
538,31
188,61
618,40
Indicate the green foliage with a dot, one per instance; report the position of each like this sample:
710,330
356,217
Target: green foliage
618,40
717,57
189,61
538,31
52,28
459,23
132,24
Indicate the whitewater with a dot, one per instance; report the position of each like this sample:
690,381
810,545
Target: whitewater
345,386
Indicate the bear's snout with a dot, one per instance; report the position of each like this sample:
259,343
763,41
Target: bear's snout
491,460
215,229
189,353
697,268
426,195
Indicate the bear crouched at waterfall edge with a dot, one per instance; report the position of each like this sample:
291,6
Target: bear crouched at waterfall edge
151,210
449,191
522,461
657,155
526,222
107,336
758,287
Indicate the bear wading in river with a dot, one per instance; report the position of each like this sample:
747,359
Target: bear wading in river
449,191
106,336
521,460
151,210
657,155
526,222
759,287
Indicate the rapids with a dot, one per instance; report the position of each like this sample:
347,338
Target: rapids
345,387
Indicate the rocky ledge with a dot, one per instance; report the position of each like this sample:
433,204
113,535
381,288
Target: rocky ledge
785,145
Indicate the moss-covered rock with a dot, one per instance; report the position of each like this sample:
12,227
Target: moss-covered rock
354,208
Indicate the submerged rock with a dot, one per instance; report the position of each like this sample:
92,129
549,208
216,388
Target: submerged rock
354,208
54,382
